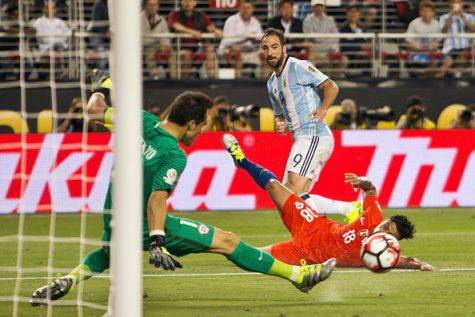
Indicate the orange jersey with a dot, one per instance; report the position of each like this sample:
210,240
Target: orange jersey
316,238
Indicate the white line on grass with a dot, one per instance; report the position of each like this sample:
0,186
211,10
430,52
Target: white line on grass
462,269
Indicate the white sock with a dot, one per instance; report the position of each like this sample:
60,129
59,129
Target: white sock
324,205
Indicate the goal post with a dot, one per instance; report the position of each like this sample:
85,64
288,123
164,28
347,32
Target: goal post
126,247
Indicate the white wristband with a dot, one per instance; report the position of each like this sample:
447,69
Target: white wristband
157,233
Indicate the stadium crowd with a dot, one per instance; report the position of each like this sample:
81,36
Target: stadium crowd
233,51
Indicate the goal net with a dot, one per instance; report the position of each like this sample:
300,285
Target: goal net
56,161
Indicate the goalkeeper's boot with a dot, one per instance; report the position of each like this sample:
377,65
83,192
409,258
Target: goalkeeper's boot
232,146
355,213
55,290
311,275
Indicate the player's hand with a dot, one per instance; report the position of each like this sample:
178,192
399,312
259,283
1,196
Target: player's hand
359,182
319,114
158,257
428,267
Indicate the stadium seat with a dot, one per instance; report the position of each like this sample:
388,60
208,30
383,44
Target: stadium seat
386,125
331,113
266,119
448,115
45,121
13,120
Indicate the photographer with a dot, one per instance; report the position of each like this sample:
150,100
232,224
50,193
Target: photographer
226,117
346,118
353,118
465,119
415,115
74,121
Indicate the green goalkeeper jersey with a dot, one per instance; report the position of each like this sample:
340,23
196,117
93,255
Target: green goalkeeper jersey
163,163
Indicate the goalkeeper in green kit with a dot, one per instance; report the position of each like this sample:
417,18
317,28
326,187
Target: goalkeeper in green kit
165,236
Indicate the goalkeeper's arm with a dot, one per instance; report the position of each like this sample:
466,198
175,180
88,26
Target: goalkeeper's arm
156,215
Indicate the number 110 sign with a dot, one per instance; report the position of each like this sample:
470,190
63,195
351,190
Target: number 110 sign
224,4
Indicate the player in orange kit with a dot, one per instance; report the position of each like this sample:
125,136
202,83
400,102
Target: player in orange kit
315,238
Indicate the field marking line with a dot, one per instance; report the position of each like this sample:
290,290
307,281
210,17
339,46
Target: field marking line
350,271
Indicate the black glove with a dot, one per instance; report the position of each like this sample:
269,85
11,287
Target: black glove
160,257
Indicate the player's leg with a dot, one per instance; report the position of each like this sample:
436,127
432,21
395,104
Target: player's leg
96,262
184,236
350,209
263,177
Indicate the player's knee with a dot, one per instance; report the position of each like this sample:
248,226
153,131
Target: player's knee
228,241
272,185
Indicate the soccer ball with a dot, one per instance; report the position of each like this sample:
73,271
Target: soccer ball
380,252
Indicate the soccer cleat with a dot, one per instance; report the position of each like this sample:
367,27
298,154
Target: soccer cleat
355,213
311,275
232,146
57,289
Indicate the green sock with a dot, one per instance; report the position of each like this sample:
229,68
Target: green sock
94,263
255,260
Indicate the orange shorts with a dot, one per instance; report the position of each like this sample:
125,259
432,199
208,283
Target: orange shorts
301,222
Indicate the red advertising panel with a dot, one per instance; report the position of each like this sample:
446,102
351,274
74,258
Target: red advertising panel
70,172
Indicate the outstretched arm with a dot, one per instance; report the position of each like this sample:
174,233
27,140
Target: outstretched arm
361,182
414,264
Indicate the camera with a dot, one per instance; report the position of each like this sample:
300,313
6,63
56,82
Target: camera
415,114
236,112
344,118
466,116
372,116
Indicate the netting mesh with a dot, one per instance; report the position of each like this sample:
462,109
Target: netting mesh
54,184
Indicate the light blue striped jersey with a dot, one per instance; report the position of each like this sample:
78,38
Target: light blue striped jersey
457,26
294,94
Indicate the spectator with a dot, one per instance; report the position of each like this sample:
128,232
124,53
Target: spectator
220,119
242,51
288,24
74,121
155,109
425,51
190,21
370,17
154,48
457,22
325,52
99,24
47,26
415,115
465,119
9,45
407,9
346,118
356,49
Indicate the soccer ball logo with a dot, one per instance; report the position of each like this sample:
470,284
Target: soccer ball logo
380,252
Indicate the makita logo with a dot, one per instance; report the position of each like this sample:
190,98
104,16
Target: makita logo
426,166
71,172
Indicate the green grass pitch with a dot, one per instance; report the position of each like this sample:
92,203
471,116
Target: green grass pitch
445,238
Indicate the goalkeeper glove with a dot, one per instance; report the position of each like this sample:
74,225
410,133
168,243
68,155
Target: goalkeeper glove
101,83
160,257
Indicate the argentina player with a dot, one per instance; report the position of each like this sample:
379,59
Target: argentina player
293,93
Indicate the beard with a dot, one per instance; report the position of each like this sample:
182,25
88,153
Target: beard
279,62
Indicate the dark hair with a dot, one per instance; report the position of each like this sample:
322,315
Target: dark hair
247,1
404,226
282,2
414,101
189,105
274,32
427,4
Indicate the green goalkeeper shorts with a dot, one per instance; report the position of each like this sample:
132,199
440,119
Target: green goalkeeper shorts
182,236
